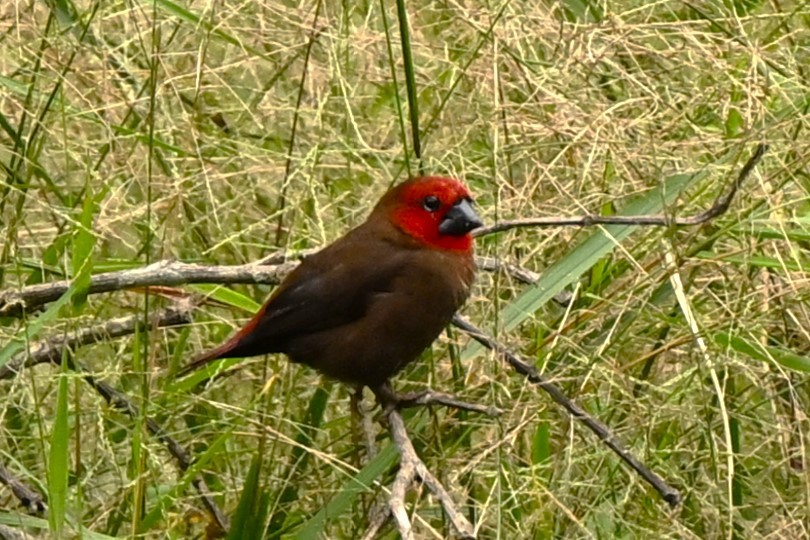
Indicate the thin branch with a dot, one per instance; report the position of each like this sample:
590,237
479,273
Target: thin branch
669,494
720,206
410,466
166,273
52,351
431,397
269,271
491,264
31,499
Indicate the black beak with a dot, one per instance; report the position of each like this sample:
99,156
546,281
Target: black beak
460,219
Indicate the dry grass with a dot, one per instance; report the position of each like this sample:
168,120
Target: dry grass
176,120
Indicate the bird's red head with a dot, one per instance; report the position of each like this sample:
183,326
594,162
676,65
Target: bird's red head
436,211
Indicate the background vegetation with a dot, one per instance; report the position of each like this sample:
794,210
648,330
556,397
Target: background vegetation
223,131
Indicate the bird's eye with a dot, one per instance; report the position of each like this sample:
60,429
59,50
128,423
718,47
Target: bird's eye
431,203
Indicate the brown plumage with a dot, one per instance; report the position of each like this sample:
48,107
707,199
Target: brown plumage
365,306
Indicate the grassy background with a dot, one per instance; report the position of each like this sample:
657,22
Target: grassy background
220,132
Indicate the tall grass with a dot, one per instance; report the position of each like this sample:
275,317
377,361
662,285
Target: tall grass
223,132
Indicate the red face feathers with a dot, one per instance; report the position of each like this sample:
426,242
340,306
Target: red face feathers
434,210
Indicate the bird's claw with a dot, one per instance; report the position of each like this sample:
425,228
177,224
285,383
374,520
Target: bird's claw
390,400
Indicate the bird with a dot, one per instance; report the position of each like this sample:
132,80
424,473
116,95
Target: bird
367,305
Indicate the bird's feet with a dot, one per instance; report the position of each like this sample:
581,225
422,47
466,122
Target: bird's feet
390,400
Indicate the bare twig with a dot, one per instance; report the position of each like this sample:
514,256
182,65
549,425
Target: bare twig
167,273
270,270
720,205
491,264
431,397
410,466
31,499
669,494
52,351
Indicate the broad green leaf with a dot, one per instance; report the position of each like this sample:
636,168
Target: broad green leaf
765,353
579,260
340,503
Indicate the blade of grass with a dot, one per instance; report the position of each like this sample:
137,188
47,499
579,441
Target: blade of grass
397,100
361,482
580,259
766,353
248,521
58,456
410,81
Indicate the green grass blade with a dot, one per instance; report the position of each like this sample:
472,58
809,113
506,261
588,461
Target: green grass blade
248,521
228,297
765,353
58,457
410,80
340,503
579,260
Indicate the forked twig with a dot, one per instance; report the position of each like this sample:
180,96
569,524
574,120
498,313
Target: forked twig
411,466
669,494
720,206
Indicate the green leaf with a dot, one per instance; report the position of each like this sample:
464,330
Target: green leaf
579,260
58,456
360,483
541,444
83,242
734,123
765,353
187,384
251,513
227,296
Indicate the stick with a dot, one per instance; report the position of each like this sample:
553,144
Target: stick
720,206
669,494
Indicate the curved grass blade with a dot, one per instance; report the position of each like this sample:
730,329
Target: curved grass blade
567,270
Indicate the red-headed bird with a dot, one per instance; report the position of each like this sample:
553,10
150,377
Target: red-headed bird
365,306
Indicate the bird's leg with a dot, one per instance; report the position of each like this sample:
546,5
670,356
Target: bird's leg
390,400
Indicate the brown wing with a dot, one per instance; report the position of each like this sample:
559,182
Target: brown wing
329,289
399,322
